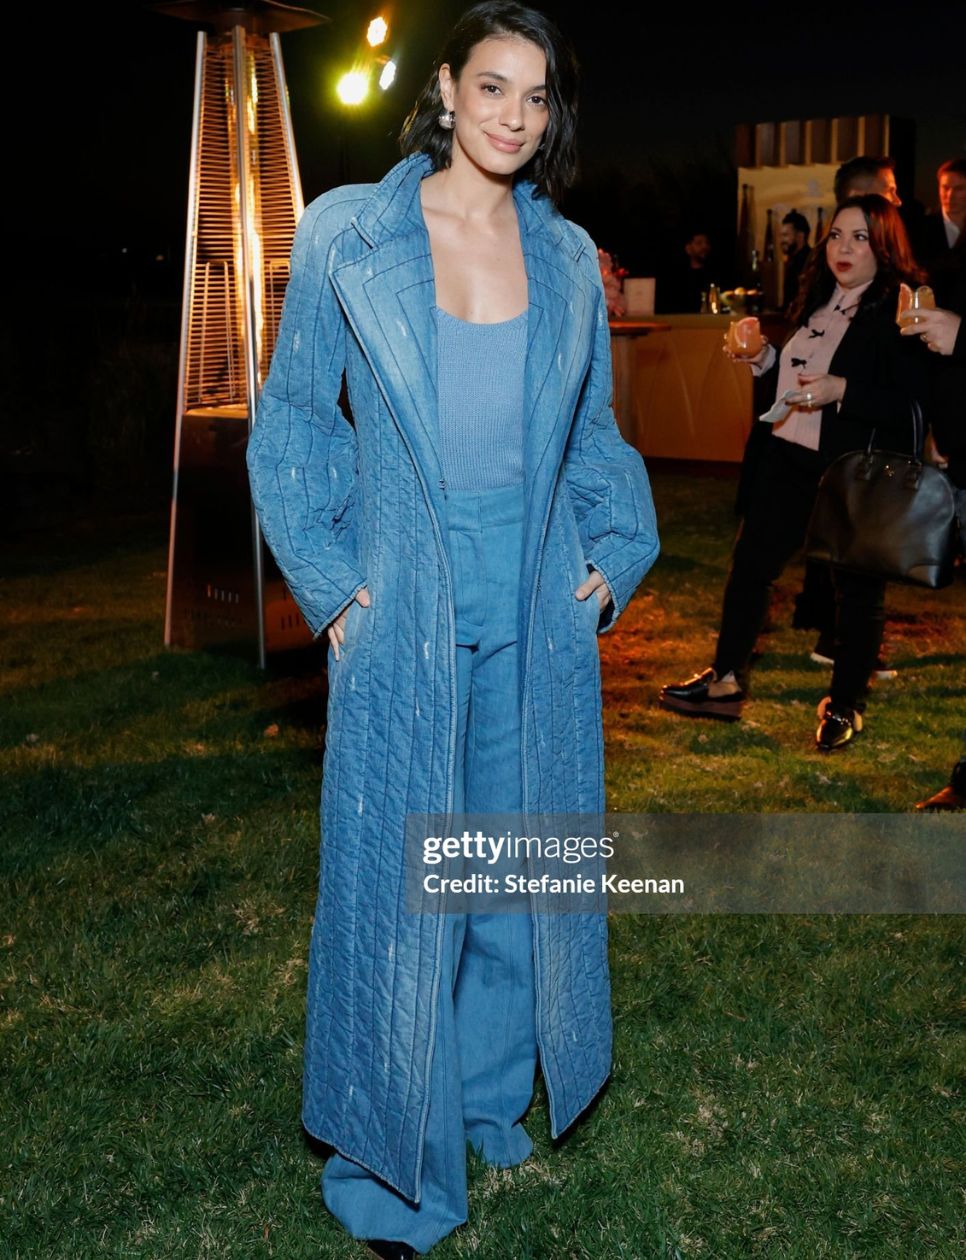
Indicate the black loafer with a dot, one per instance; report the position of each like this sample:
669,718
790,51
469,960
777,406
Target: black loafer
390,1250
837,727
691,698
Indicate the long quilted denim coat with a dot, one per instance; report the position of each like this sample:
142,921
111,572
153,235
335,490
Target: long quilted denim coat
344,506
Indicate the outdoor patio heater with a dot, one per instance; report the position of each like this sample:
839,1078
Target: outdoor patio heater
244,202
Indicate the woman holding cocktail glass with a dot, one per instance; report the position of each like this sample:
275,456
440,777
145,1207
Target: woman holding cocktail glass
842,375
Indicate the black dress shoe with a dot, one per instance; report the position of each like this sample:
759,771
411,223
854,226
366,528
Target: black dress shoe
946,798
390,1250
691,698
837,727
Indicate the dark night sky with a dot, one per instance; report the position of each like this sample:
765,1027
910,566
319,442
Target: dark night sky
663,87
99,141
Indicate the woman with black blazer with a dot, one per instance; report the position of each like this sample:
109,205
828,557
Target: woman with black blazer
844,374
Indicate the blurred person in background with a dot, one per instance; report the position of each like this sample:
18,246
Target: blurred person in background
845,375
944,332
795,231
613,294
867,175
680,288
939,241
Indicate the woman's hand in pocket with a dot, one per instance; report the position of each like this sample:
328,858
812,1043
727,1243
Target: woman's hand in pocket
595,584
336,629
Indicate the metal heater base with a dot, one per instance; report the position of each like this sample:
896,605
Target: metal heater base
213,598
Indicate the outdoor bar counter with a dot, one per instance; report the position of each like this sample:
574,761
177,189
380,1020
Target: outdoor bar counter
676,395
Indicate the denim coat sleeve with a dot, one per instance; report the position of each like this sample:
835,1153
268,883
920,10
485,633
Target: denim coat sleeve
302,454
606,478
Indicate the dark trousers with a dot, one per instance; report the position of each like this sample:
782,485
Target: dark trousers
815,602
776,519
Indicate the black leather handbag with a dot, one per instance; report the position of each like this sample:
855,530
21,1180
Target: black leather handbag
886,513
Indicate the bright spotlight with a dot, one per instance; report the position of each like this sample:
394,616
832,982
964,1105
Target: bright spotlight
388,75
377,32
353,87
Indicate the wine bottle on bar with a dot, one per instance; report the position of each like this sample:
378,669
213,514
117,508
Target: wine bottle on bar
769,293
744,235
754,304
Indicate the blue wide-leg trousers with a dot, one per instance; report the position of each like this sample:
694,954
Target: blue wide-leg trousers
485,1055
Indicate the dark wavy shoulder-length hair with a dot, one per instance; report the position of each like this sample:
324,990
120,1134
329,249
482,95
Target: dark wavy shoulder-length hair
553,168
893,254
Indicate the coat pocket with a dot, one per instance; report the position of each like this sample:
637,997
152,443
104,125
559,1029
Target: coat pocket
349,633
593,612
355,625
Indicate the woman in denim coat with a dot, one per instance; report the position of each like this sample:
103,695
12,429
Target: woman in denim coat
462,543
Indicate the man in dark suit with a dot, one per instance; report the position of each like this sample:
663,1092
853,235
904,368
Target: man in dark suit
939,245
944,331
865,174
680,286
794,239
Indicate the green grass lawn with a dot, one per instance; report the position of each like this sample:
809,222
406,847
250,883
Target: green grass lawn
783,1087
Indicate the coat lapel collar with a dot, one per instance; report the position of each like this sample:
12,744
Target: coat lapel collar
388,294
559,341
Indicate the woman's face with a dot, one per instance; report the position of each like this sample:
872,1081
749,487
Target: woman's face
500,100
849,250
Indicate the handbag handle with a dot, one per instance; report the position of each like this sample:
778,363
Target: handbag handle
918,436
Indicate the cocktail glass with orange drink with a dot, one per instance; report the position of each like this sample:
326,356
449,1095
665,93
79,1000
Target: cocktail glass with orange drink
743,338
912,301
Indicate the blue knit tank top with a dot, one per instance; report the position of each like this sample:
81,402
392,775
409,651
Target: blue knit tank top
480,384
